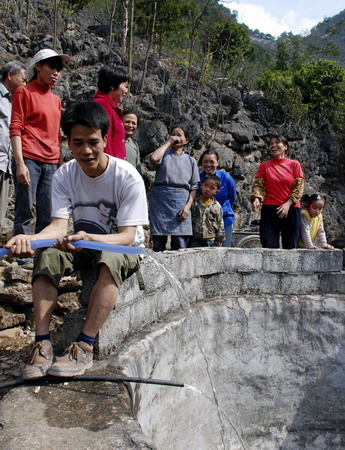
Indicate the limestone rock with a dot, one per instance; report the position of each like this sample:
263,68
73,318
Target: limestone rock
17,273
19,294
10,319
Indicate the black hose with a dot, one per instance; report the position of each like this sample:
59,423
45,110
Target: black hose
56,380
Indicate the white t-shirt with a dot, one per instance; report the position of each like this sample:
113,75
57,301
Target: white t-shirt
100,205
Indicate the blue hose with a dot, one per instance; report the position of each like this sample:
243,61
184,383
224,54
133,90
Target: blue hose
92,245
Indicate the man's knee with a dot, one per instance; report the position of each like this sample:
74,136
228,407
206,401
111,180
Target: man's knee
104,274
42,279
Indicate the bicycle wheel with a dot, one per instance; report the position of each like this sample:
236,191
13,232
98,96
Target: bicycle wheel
249,242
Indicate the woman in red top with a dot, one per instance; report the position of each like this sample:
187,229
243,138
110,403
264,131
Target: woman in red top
279,185
112,88
35,140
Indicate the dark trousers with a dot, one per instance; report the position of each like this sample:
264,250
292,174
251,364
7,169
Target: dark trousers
177,242
271,227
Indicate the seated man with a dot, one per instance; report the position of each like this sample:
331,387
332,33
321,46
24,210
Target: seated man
107,200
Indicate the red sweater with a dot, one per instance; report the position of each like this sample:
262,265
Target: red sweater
116,134
279,176
36,115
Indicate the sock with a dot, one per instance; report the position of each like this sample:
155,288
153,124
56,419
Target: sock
42,337
89,340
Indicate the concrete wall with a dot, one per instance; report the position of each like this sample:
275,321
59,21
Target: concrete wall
271,324
256,336
205,273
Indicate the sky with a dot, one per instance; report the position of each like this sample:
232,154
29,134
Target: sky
277,16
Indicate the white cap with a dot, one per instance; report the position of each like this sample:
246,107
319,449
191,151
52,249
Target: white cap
40,56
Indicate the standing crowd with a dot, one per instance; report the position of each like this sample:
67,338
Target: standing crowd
103,190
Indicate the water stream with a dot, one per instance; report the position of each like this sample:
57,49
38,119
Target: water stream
196,330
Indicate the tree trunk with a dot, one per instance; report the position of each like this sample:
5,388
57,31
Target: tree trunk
111,13
149,46
55,17
130,40
195,24
125,26
27,14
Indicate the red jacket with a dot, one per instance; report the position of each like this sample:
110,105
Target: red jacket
116,134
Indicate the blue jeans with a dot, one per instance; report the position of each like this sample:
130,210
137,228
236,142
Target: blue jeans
228,236
41,175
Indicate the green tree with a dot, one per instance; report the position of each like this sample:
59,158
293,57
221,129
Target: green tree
283,54
322,86
279,87
230,42
316,91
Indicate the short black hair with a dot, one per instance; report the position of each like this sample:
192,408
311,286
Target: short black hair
87,113
309,199
111,77
131,111
185,132
280,138
208,152
212,177
13,67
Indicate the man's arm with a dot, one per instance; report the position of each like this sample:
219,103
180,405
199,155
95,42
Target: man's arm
124,236
20,245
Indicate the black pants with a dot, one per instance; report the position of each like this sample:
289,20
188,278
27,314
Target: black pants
177,242
271,226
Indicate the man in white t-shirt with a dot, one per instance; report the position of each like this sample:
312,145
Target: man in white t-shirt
107,200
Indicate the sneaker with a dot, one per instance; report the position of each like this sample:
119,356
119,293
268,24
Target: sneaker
41,359
77,358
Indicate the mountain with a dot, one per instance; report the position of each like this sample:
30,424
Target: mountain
329,36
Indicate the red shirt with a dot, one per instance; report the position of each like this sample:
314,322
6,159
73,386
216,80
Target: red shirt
279,176
35,118
116,134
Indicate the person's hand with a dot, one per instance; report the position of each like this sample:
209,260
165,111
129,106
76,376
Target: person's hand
174,140
20,247
66,244
328,246
81,235
255,204
183,213
283,209
22,174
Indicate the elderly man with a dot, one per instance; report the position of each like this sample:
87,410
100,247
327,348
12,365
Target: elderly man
13,76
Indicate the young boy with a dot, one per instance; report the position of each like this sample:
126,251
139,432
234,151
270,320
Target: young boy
107,200
207,215
131,123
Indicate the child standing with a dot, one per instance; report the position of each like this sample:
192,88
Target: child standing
207,215
312,229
